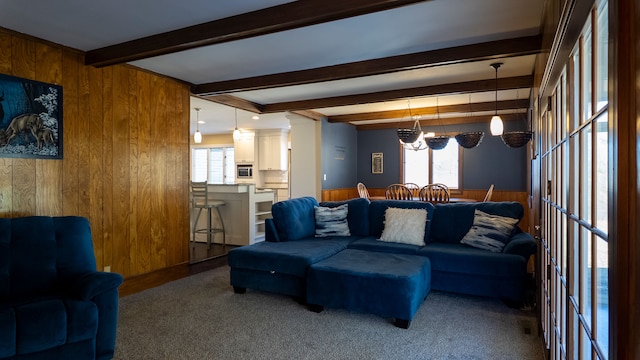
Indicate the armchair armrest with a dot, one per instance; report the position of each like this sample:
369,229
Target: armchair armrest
521,244
90,285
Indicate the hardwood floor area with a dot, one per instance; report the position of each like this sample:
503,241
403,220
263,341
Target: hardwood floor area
199,251
212,258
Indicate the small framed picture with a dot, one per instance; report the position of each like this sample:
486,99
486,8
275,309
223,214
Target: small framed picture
377,163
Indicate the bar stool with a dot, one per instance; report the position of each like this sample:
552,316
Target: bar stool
200,200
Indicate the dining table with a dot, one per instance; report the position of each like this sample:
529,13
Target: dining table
458,200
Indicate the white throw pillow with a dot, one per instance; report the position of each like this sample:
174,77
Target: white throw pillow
405,226
489,232
332,221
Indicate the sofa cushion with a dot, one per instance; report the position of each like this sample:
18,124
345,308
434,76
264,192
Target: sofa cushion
40,325
377,210
371,243
389,285
489,232
357,216
452,221
332,221
459,258
291,258
404,226
295,218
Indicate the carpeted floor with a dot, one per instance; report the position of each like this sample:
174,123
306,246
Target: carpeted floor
200,317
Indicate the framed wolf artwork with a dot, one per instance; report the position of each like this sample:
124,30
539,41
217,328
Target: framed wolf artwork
30,118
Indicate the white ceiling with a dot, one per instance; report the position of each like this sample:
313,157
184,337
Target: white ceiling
424,26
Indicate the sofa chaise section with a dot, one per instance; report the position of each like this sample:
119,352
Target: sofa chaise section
387,285
280,264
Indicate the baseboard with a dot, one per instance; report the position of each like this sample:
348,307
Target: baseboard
152,279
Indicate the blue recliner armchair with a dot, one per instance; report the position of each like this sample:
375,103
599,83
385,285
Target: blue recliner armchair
53,302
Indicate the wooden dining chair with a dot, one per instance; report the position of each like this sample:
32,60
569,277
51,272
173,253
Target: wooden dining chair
398,192
435,194
489,193
414,188
362,191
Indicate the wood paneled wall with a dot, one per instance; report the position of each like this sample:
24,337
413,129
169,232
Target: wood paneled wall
126,157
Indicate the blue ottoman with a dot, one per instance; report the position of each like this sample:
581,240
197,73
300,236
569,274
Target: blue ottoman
384,284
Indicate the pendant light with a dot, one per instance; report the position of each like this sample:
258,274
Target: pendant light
197,137
236,132
470,139
418,143
408,136
496,122
438,142
516,139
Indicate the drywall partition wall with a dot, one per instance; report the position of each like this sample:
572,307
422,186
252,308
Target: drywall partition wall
491,162
378,141
339,155
305,169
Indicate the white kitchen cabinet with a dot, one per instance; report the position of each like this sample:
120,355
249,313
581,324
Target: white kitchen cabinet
244,148
272,151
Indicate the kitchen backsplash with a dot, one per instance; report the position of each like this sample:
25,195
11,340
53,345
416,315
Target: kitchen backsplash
275,177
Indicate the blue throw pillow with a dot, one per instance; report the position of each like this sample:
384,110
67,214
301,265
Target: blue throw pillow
489,232
332,221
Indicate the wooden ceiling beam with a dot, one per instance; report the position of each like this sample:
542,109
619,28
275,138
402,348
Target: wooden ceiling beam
277,18
454,55
440,122
458,108
313,115
518,82
235,102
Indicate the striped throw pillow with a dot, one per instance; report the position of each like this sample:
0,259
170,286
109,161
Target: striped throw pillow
332,221
489,232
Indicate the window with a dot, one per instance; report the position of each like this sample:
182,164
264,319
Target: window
215,165
574,286
433,166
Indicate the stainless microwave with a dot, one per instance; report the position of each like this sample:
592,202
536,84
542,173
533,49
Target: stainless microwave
244,171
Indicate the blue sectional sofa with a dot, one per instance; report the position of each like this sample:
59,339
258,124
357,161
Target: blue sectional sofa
282,263
53,302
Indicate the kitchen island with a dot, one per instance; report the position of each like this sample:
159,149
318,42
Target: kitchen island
244,212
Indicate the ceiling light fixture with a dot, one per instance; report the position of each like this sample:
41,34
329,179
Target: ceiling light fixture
197,137
412,139
497,127
516,139
470,139
438,142
236,132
